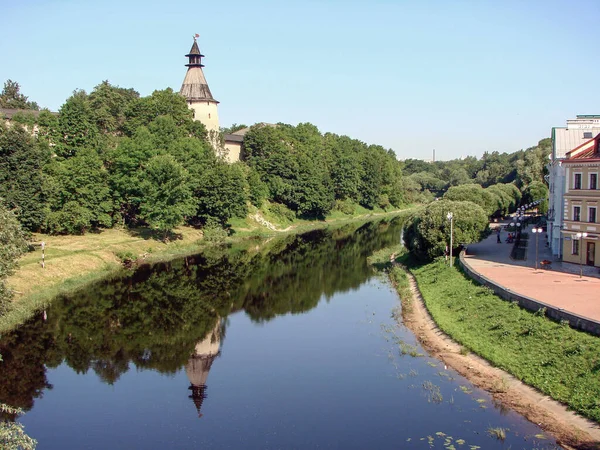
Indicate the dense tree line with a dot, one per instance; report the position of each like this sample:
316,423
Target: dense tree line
521,168
312,173
112,157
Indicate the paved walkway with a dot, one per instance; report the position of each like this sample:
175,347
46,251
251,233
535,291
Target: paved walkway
559,286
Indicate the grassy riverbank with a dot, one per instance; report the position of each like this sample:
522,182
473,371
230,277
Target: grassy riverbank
74,261
554,358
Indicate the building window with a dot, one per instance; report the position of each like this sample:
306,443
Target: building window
575,246
592,214
576,213
577,181
593,181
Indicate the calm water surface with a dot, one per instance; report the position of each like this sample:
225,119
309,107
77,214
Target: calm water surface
291,343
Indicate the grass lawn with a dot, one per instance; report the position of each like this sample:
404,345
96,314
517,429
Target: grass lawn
552,357
72,261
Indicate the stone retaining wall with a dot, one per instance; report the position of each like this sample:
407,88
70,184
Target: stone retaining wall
557,314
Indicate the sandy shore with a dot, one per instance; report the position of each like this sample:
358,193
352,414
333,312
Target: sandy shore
570,429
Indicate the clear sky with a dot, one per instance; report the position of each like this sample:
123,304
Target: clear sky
460,77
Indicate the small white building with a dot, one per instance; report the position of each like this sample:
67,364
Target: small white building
564,139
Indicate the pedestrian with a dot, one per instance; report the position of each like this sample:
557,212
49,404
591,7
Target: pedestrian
498,240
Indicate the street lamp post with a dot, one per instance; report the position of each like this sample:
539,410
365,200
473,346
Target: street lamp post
450,218
536,231
580,237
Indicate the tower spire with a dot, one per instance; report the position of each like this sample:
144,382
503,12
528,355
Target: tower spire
194,56
196,91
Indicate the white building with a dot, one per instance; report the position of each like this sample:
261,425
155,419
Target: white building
564,139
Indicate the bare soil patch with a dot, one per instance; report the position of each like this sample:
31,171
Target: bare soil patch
571,430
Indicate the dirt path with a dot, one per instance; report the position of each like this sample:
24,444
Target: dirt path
570,430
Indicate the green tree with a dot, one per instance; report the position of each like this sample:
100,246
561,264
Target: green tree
108,104
503,199
22,159
76,125
222,193
473,193
78,194
142,111
428,232
532,166
11,97
537,191
166,194
429,182
12,246
125,165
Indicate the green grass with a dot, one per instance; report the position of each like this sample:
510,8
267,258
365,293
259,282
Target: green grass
559,361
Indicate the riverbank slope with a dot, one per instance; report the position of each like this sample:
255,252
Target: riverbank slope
446,293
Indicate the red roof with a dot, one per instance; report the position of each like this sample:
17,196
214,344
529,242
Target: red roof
588,150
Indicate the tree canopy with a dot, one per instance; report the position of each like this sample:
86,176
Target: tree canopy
105,159
11,97
428,231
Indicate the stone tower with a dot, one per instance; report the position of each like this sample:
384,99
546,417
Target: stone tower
196,92
199,365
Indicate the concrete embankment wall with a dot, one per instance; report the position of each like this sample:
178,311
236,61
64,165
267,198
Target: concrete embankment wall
558,314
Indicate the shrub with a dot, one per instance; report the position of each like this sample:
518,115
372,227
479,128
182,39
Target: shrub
428,232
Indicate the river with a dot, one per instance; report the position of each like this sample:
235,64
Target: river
293,342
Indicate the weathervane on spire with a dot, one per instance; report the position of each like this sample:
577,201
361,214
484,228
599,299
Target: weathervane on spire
196,36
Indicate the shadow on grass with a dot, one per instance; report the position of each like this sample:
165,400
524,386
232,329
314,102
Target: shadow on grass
156,235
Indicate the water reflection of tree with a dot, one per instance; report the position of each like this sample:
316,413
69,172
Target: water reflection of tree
22,371
155,316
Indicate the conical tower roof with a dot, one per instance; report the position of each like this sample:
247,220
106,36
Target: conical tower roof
195,87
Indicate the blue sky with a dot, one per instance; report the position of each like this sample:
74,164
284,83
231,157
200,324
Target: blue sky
461,77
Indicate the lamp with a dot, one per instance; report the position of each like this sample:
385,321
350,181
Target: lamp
536,231
580,237
450,217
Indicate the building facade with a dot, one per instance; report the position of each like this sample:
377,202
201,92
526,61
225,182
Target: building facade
564,139
581,204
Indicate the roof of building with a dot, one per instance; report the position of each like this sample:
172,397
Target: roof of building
195,87
238,136
195,50
8,113
564,139
587,151
233,138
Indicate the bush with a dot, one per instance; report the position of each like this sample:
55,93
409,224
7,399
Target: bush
282,212
214,232
428,231
345,206
126,257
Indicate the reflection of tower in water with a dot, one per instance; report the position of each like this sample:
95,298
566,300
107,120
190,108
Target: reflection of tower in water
199,365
